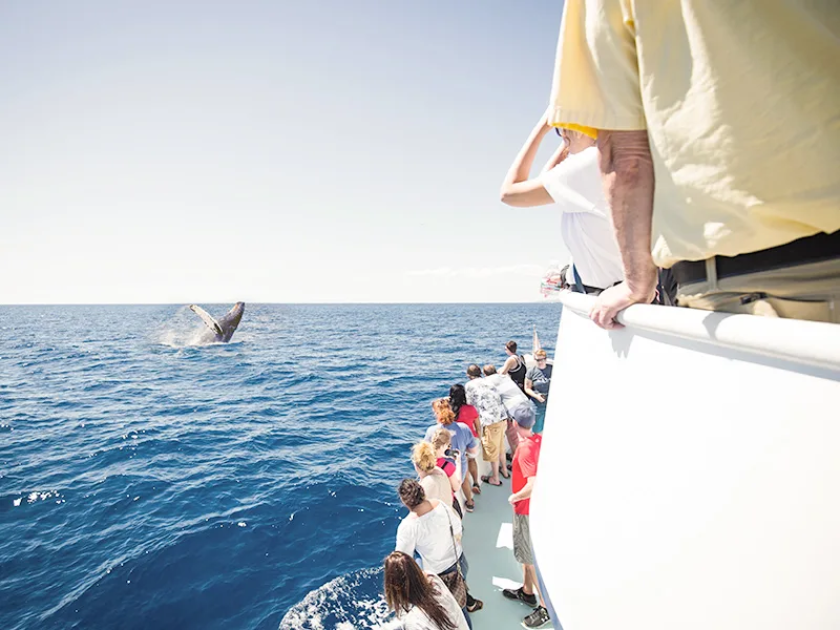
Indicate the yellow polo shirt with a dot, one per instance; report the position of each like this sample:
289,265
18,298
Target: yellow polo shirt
741,100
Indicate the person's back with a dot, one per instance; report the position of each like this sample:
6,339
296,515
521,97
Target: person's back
484,398
740,101
417,619
429,535
436,485
508,391
735,103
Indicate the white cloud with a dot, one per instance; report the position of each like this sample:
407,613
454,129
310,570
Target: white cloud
526,270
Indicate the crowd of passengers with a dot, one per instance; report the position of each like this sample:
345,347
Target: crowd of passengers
476,419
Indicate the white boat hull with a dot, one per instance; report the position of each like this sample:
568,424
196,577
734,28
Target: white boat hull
690,473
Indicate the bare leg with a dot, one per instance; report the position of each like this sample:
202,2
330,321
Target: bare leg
503,466
494,478
512,436
465,486
527,582
472,466
531,585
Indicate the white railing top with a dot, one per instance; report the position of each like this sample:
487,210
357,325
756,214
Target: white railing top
810,343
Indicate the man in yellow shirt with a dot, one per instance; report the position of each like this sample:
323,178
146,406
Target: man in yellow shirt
732,110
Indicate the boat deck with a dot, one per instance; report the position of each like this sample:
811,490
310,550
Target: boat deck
488,544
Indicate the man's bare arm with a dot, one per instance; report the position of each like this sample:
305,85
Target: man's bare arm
525,493
627,169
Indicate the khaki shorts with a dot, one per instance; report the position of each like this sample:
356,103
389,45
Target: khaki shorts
810,291
493,440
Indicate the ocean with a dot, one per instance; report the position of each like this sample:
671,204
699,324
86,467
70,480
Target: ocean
149,481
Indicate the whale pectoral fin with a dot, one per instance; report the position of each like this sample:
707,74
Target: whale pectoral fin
211,323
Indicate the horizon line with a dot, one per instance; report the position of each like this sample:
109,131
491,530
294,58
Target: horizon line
18,304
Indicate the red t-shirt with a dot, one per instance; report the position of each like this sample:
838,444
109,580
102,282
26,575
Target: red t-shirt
447,466
525,465
467,415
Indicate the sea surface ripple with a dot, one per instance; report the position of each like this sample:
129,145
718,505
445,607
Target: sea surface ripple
148,481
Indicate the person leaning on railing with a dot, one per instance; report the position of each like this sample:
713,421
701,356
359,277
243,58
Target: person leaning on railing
733,106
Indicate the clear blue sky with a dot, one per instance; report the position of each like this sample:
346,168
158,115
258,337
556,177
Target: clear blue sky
270,152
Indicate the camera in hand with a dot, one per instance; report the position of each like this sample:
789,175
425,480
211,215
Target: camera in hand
452,452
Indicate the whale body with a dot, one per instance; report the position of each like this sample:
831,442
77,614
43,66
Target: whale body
223,328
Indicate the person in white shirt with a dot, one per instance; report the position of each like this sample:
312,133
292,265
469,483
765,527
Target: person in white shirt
420,600
433,531
572,179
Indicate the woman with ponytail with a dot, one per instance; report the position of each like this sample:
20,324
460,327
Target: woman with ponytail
468,416
434,480
420,600
463,441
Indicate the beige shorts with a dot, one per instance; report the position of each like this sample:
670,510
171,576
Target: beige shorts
810,291
493,440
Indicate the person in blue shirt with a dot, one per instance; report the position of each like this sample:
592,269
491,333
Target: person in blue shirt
463,440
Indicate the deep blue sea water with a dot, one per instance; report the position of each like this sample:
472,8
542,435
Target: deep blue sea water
149,482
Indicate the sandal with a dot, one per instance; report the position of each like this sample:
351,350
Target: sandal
486,479
476,604
476,489
469,506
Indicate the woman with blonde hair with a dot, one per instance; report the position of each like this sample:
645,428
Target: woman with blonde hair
463,441
434,480
420,600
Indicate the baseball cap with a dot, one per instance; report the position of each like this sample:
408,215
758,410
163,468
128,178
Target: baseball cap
524,415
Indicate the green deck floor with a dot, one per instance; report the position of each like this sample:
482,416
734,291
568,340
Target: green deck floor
488,544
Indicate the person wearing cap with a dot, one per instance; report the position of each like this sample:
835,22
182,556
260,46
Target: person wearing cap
572,180
716,124
525,462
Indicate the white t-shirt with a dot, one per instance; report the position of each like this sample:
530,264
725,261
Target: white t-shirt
507,390
576,186
429,536
416,619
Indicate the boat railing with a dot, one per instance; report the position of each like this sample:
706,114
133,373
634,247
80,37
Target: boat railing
808,343
690,463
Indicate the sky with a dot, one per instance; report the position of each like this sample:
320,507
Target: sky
323,151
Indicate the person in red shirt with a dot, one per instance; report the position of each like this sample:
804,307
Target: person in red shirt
525,461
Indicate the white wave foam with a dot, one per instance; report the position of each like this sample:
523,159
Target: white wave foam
349,602
184,330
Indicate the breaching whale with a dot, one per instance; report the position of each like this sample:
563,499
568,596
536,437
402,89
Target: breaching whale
224,328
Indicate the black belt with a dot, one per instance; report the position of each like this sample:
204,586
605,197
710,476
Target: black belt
802,251
588,290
